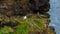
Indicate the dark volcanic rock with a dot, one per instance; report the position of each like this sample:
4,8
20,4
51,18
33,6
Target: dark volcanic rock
40,6
11,24
23,7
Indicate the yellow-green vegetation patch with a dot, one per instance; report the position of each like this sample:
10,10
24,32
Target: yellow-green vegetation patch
6,30
23,29
28,24
24,26
1,16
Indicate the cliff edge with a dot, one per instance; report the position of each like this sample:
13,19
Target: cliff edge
13,12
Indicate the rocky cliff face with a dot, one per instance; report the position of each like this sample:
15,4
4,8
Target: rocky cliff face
37,21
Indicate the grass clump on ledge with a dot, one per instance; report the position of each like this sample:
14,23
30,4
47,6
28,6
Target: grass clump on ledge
25,26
